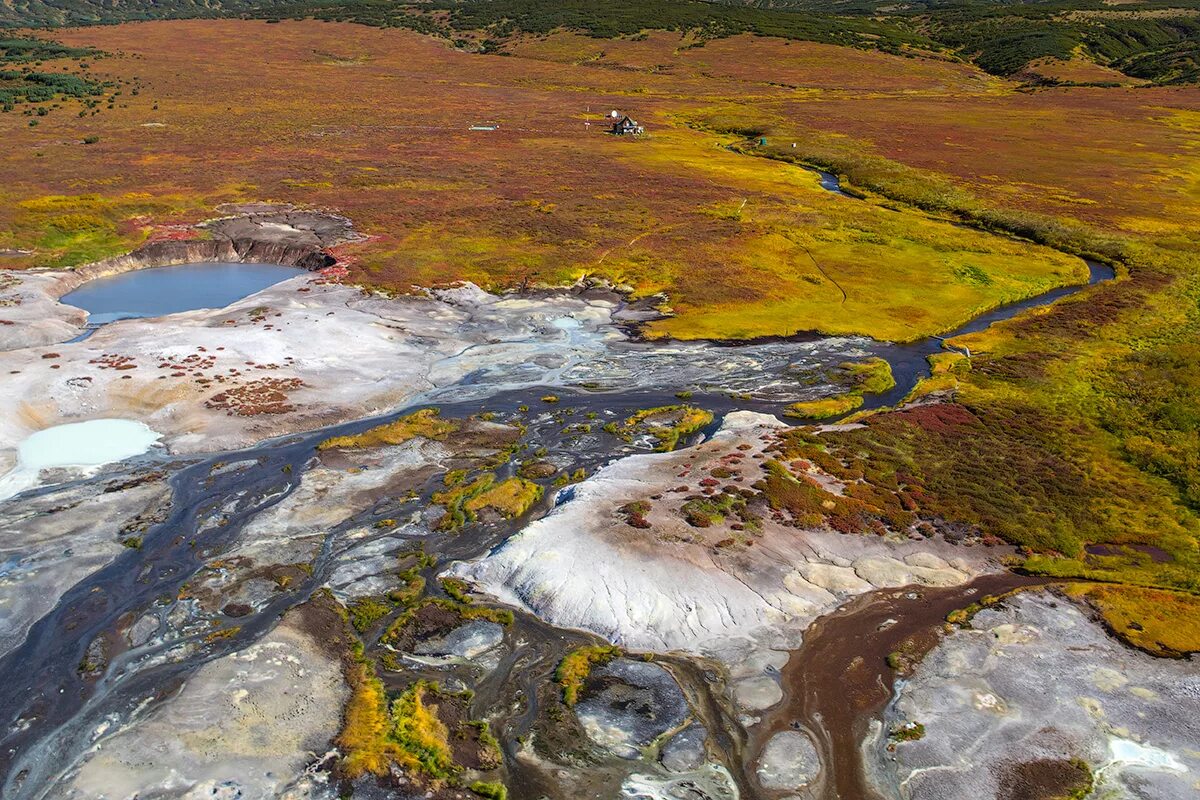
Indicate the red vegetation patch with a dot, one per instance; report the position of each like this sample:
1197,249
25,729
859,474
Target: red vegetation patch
192,362
332,274
937,417
172,233
1017,366
635,513
263,396
114,361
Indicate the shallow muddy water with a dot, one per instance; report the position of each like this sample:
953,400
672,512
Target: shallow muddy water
160,291
839,680
49,711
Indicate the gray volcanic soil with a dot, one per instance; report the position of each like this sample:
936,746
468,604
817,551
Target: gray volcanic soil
245,725
1032,686
50,542
631,704
304,354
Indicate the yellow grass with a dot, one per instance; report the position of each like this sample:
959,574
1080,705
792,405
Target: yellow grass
422,739
668,424
512,497
364,739
871,375
576,665
825,407
424,423
1160,622
409,733
743,246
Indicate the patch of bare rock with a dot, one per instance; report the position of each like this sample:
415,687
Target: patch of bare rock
1036,700
245,725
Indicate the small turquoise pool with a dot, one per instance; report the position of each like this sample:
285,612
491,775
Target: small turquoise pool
82,445
170,290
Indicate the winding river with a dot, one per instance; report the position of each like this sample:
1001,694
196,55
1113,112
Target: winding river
49,712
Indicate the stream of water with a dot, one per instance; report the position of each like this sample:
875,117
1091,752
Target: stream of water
49,711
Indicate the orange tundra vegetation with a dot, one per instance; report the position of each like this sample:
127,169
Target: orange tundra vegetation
375,123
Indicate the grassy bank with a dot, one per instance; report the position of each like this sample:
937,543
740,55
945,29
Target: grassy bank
1071,426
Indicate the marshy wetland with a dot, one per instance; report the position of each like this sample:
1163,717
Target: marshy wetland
831,440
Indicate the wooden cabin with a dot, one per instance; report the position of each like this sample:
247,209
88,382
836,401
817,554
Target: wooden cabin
626,126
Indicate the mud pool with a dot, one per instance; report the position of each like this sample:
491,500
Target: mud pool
160,291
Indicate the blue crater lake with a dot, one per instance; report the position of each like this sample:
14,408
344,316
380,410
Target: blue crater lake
170,290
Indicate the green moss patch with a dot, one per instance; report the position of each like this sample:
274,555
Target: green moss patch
667,424
869,376
825,407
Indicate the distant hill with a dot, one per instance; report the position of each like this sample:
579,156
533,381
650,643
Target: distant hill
1157,40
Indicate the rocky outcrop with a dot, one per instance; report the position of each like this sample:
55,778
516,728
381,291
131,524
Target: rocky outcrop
171,253
789,762
1036,700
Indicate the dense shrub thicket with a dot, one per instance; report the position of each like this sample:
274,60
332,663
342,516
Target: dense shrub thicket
19,50
23,81
38,87
1149,41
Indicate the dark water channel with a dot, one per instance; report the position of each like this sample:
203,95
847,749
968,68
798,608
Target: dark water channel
49,711
910,362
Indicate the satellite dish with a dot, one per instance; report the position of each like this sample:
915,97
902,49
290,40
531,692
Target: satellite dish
613,114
